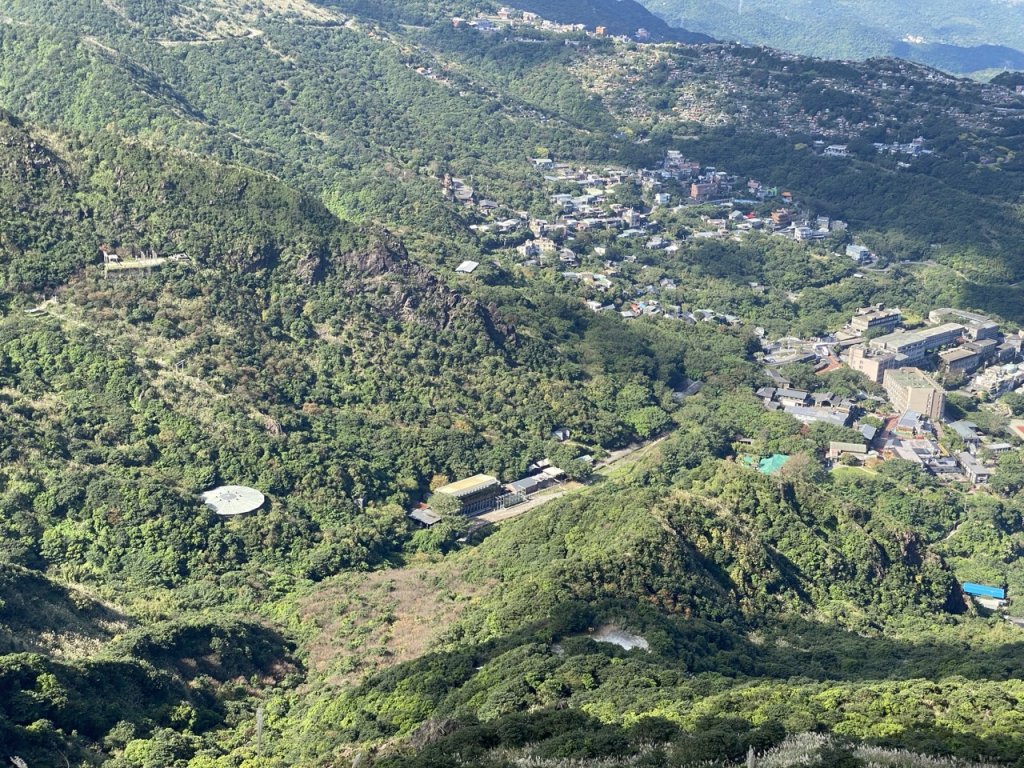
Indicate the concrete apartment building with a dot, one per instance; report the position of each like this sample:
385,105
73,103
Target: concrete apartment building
873,363
910,389
976,327
870,318
970,357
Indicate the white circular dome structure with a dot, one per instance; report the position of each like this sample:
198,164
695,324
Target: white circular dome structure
232,500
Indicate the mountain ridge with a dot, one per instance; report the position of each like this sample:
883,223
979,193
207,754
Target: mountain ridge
933,34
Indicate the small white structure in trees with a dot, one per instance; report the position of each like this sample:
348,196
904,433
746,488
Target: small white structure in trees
233,500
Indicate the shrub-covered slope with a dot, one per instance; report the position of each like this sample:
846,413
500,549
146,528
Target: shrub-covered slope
788,604
286,350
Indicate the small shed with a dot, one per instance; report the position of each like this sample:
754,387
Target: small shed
425,515
467,267
527,484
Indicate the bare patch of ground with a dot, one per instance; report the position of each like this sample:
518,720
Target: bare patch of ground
360,623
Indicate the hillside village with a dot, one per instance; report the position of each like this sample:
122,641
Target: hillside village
607,226
913,422
512,19
607,230
774,92
925,381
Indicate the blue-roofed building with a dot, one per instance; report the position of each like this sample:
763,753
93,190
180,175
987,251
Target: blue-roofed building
768,466
983,590
911,424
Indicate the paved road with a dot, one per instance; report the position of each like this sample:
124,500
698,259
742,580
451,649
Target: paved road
604,466
499,515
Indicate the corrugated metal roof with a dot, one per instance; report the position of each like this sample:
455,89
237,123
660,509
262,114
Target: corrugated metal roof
426,516
525,484
469,486
772,465
982,590
965,429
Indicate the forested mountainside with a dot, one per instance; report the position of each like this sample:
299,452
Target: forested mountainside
324,249
369,114
983,38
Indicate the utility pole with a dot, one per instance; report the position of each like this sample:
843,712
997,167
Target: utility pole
259,730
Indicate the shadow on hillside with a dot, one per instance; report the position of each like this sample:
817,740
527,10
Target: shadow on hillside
38,615
822,652
937,740
222,648
785,650
714,657
1004,300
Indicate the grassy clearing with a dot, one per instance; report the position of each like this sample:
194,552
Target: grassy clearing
357,624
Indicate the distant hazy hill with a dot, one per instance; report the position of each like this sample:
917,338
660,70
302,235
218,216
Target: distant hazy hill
948,34
620,17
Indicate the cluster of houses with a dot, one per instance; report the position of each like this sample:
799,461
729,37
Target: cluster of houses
816,408
955,342
959,345
591,208
817,352
915,148
461,192
914,421
511,18
715,86
998,380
